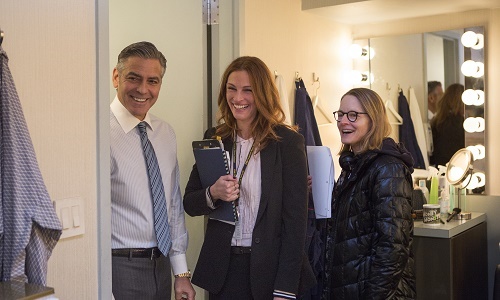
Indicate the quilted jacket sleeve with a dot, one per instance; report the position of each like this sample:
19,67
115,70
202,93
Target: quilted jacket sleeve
393,223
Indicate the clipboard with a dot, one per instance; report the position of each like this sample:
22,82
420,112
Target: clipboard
212,162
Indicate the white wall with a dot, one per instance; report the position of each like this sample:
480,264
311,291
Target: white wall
51,48
290,40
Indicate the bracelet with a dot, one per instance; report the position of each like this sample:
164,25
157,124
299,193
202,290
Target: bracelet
210,194
183,275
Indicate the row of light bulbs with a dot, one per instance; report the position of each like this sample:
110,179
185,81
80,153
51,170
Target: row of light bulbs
474,69
366,53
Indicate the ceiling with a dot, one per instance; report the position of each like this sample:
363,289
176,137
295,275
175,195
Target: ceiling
375,11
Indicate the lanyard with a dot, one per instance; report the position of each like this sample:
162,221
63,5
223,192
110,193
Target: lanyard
235,171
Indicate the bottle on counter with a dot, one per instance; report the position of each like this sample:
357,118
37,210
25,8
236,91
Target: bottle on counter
422,184
444,202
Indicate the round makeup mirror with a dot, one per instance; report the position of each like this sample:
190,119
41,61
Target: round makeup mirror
459,174
459,171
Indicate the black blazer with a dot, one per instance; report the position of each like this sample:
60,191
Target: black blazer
278,258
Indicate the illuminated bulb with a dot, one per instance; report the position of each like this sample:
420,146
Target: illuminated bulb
481,125
472,40
455,173
481,179
471,68
480,98
480,70
482,151
474,181
361,78
466,181
356,51
471,124
475,152
469,96
362,52
370,52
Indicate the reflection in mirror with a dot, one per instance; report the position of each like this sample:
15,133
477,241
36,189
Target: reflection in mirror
459,174
403,65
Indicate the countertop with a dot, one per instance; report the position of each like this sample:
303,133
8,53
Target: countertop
449,229
15,290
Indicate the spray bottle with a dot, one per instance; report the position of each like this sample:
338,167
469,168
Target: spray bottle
422,185
444,202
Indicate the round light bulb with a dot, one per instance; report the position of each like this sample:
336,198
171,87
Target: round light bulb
368,53
481,179
469,68
471,124
475,151
482,151
356,51
455,173
469,39
480,98
469,97
474,181
480,70
466,181
481,124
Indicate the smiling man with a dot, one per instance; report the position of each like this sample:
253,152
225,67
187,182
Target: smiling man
149,236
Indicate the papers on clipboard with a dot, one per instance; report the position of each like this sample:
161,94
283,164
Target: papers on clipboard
322,172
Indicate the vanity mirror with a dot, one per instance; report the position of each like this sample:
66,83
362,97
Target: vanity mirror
404,64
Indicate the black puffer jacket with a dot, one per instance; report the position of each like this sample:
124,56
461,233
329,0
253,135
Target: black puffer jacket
369,253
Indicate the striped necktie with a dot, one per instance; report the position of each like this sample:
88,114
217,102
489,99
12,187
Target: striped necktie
157,192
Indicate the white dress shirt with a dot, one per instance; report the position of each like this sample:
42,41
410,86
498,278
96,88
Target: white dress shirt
250,191
131,204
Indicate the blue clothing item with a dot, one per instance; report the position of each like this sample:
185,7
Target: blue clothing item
29,227
304,115
308,127
407,134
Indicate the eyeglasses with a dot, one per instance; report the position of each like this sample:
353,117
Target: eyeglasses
351,115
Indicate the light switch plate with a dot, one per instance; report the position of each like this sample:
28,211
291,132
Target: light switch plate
71,214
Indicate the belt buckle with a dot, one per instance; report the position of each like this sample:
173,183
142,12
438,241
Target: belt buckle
152,253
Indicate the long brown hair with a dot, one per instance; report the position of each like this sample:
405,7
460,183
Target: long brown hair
380,127
266,97
450,104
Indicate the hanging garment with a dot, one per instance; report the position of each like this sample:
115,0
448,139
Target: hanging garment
407,132
419,125
316,228
29,227
280,84
304,115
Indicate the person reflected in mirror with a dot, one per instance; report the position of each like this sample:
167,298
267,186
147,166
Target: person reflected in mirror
434,94
448,134
148,244
370,234
262,256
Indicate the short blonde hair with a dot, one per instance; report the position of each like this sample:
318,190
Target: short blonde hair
380,128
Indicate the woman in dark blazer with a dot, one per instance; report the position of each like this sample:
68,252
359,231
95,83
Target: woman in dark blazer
261,256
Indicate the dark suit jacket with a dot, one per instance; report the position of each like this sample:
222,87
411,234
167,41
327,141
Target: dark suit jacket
278,259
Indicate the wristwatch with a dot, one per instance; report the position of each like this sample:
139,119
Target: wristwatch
183,275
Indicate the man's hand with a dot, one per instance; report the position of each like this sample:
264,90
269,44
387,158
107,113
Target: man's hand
183,289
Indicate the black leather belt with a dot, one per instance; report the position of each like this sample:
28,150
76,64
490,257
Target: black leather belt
240,250
137,252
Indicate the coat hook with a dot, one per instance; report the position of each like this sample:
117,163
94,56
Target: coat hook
315,79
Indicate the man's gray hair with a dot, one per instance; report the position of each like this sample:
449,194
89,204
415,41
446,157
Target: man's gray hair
144,50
